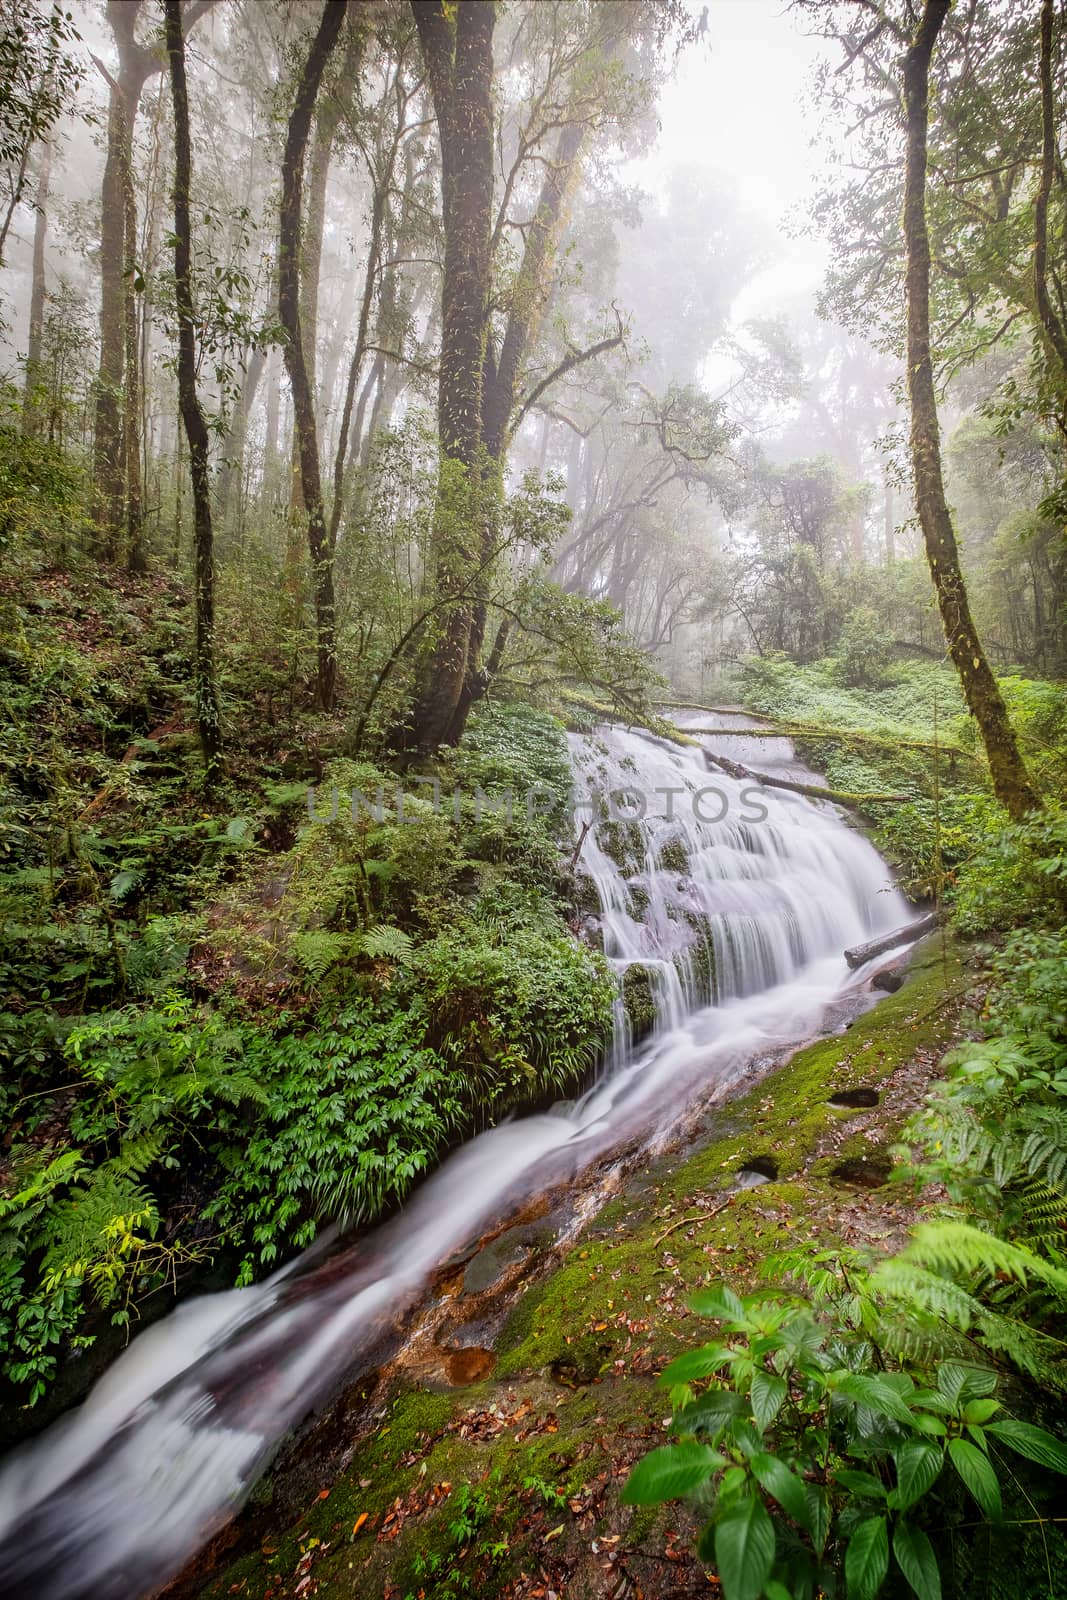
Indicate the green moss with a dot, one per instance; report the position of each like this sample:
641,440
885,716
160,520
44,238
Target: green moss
639,999
673,856
624,842
581,1349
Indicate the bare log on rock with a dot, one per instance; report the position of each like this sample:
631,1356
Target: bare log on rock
863,953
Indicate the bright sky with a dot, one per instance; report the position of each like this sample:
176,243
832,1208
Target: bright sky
735,104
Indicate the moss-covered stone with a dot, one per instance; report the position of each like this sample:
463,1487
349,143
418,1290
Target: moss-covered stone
639,1000
673,856
624,842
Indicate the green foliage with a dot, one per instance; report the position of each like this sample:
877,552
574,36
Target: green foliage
812,1457
40,486
353,1110
862,651
78,1231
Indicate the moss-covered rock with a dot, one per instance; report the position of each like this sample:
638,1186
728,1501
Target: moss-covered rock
639,1000
673,855
624,842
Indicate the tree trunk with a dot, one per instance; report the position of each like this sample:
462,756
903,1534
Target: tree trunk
135,551
1053,331
108,477
206,688
30,398
295,360
458,52
1011,782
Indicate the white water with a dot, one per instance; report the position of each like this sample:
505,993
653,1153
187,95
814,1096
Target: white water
111,1500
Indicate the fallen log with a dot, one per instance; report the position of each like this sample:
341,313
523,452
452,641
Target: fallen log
813,791
863,953
803,730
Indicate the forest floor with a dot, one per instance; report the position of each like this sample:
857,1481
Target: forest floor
490,1463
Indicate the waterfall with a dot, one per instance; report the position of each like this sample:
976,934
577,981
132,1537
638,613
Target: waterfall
733,903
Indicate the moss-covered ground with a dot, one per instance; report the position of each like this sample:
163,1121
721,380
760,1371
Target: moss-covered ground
510,1486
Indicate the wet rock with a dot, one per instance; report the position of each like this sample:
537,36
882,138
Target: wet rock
854,1099
756,1170
468,1365
639,1001
889,980
592,933
674,857
867,1172
494,1259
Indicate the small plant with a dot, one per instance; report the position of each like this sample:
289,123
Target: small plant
810,1457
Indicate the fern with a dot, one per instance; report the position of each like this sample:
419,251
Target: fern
386,943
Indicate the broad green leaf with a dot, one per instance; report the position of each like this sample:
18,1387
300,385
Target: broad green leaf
710,1411
668,1472
977,1475
768,1396
818,1513
720,1302
979,1411
959,1383
870,1392
927,1424
918,1465
784,1485
915,1558
857,1482
867,1559
1033,1443
776,1591
694,1364
744,1549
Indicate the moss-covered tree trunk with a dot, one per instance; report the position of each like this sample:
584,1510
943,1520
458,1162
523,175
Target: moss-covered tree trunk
206,688
296,357
1011,782
457,47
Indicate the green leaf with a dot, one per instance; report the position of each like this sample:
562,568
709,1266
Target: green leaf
918,1465
977,1475
867,1559
819,1514
776,1591
668,1472
1033,1443
959,1383
784,1485
768,1396
870,1392
979,1411
915,1557
123,882
720,1302
710,1412
744,1549
863,1483
694,1364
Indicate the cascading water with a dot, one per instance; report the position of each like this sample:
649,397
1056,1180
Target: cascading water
735,901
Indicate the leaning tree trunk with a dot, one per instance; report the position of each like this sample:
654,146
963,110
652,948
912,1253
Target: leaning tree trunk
295,358
459,63
206,688
1011,782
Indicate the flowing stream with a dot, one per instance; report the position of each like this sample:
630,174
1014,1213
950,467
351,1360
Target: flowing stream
726,906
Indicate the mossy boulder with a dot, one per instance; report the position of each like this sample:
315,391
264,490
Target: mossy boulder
639,1000
624,842
673,856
